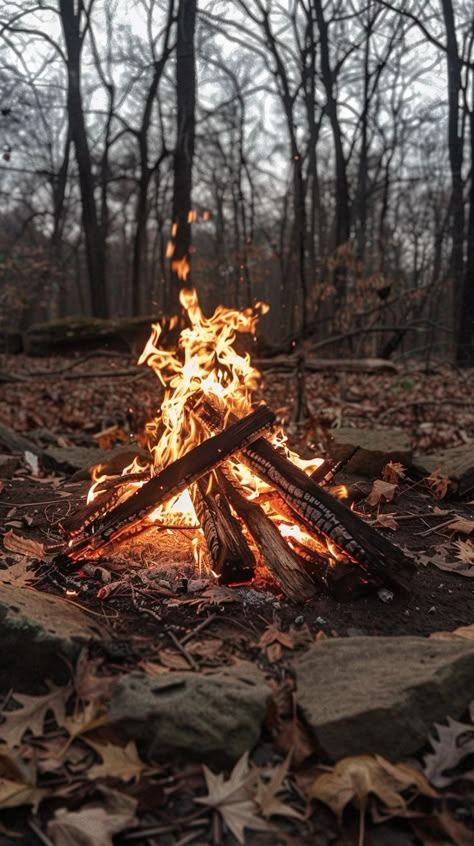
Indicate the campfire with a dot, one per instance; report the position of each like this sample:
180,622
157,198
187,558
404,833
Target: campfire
220,466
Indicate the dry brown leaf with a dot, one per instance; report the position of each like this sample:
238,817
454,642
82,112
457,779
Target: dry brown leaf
381,492
465,551
88,685
122,762
272,641
23,546
451,744
266,795
460,524
18,782
234,798
355,779
461,633
393,472
217,595
31,715
173,660
83,720
386,521
438,483
18,574
94,825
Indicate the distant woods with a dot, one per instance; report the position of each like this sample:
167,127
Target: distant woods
315,155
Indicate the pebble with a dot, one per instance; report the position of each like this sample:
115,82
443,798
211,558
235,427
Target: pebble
385,595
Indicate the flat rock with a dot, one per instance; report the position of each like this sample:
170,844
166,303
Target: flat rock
376,447
457,463
213,718
82,459
37,632
364,695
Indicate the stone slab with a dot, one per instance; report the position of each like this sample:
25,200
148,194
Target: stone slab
457,463
382,695
376,447
37,632
212,718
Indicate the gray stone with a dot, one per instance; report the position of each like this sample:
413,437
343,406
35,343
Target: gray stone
363,694
376,447
82,459
457,463
213,718
37,632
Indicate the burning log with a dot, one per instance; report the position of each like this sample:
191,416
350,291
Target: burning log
282,562
233,560
318,511
126,518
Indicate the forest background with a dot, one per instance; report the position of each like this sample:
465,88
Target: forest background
318,156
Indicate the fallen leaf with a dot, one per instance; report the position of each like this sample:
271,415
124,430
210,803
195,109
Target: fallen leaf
31,715
217,595
122,762
461,633
272,641
465,551
381,492
23,546
386,521
18,574
462,525
266,795
88,685
173,660
18,781
356,778
438,483
451,744
393,472
94,825
234,798
83,720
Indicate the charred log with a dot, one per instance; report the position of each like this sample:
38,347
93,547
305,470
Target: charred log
233,560
282,562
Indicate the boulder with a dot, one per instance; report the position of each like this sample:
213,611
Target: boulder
376,447
37,632
456,463
381,695
212,718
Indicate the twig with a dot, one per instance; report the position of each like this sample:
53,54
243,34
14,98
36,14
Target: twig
44,839
435,528
179,646
198,628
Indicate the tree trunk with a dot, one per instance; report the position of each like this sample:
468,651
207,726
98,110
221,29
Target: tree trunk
94,240
184,153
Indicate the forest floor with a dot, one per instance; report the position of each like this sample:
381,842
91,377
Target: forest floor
182,621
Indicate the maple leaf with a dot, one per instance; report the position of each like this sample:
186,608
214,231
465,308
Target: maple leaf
266,795
451,744
460,524
18,781
234,798
356,778
381,492
438,483
17,574
94,825
31,716
122,762
23,546
393,472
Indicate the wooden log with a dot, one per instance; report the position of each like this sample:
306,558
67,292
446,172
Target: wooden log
319,511
233,560
173,479
111,492
282,562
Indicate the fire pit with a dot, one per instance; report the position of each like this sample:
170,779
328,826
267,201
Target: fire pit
220,466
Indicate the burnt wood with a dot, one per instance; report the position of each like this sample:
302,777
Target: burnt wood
320,512
283,563
173,479
233,560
